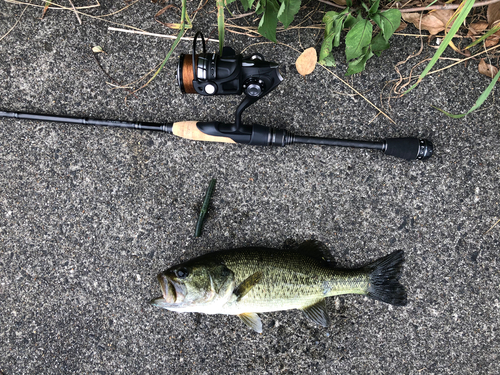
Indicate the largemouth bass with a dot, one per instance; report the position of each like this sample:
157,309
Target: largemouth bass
248,281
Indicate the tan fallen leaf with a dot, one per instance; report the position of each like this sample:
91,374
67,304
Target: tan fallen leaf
401,27
340,2
477,28
492,40
97,49
493,13
487,69
433,22
306,62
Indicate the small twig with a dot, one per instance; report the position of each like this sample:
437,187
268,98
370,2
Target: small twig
332,4
492,226
157,35
241,16
204,208
423,8
445,6
76,13
357,92
19,19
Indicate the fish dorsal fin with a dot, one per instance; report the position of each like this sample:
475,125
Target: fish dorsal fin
252,320
316,249
247,284
317,313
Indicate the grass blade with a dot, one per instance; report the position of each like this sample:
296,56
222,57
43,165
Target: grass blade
220,24
459,17
172,49
492,31
479,100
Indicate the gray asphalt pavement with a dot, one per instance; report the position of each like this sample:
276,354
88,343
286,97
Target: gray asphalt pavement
89,216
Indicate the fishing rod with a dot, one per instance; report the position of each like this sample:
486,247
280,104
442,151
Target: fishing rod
231,74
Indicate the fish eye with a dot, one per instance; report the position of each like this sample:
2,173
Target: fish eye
182,273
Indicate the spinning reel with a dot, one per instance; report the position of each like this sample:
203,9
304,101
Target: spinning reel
229,74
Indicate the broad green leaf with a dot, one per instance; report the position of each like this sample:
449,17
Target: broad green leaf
328,20
479,101
350,21
338,25
269,21
227,2
376,18
260,7
462,14
333,26
390,21
374,8
247,4
288,10
357,38
358,65
379,44
328,61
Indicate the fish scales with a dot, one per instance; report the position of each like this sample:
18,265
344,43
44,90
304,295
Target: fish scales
288,280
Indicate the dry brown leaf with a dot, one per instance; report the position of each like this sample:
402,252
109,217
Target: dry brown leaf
433,22
492,40
401,27
340,2
306,62
477,28
493,13
487,69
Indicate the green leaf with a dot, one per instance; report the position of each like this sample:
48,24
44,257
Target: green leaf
260,7
390,21
328,20
247,4
357,38
444,44
350,21
479,101
358,65
379,44
328,61
269,21
333,26
288,10
374,8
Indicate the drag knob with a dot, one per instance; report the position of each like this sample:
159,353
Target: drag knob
254,87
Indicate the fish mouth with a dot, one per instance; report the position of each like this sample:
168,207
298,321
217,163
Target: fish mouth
172,292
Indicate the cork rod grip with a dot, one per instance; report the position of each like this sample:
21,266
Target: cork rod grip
189,130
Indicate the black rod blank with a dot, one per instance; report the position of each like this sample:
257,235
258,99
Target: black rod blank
88,121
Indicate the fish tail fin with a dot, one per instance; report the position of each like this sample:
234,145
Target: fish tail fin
384,284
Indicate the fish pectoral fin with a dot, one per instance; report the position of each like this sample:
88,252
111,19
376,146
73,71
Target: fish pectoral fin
252,320
247,284
317,313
